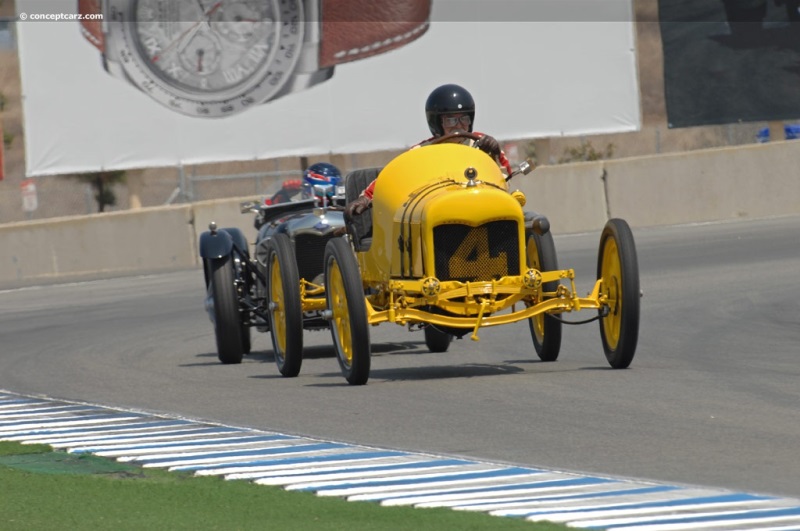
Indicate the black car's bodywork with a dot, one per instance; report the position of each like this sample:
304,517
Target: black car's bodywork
277,289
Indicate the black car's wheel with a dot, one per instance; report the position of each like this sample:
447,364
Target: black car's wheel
545,329
285,310
345,298
227,320
436,340
618,269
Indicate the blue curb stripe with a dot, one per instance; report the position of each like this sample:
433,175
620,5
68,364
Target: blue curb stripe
297,460
470,503
17,426
100,429
721,518
662,503
575,481
241,439
437,478
299,475
21,401
45,410
245,453
139,434
281,472
377,468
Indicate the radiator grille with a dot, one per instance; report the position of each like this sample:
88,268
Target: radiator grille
310,252
482,253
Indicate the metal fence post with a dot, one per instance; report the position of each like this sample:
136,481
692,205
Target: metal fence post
89,198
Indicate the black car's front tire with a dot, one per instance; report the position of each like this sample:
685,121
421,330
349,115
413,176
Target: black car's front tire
227,319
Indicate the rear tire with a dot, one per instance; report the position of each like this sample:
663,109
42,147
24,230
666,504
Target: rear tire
436,340
227,320
618,268
545,329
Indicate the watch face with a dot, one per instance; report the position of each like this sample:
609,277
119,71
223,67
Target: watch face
208,58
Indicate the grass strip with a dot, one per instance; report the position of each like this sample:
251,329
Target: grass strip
43,489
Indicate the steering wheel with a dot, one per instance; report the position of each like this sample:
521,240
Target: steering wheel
451,136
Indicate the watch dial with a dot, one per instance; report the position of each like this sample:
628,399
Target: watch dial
208,58
206,46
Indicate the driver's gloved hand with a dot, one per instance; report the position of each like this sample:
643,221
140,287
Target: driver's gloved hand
489,145
357,207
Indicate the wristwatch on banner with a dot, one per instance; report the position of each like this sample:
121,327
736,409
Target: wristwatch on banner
216,58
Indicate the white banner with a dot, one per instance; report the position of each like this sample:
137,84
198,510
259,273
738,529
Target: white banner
530,78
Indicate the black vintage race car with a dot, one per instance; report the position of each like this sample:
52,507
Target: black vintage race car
280,288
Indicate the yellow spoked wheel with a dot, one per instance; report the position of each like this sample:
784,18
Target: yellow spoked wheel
545,329
612,277
340,315
618,269
345,298
285,310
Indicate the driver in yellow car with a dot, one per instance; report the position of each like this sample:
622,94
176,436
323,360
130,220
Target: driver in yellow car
449,109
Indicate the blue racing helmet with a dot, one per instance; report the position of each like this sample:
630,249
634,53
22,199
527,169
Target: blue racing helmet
321,173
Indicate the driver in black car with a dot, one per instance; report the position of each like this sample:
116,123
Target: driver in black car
449,109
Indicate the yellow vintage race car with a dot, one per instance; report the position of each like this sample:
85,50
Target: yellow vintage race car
447,247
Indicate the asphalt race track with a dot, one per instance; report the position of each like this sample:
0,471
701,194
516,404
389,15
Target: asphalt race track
712,397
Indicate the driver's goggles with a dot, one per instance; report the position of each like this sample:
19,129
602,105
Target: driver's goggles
452,121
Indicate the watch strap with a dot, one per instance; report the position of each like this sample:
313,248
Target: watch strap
351,29
355,29
92,29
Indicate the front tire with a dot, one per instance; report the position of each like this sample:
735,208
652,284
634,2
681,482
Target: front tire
436,340
618,269
285,309
345,297
227,320
545,329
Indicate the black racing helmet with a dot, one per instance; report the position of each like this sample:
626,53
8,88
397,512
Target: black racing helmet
448,99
